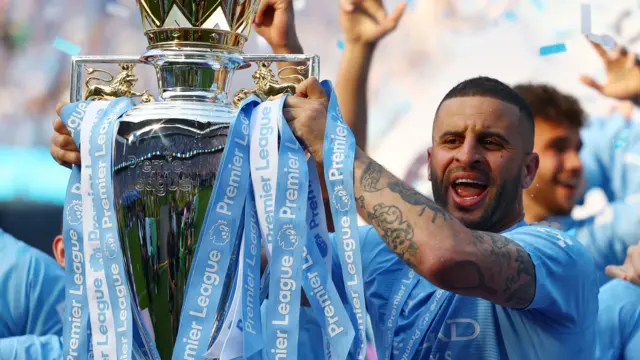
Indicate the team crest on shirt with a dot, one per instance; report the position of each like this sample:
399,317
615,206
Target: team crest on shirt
74,212
341,199
288,238
220,233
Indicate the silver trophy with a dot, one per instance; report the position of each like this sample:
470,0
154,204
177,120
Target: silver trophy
167,152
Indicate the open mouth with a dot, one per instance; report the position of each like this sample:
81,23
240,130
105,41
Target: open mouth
569,184
468,192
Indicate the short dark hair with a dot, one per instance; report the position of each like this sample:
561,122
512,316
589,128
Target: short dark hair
492,88
552,105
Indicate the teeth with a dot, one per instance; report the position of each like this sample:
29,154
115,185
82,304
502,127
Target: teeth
467,181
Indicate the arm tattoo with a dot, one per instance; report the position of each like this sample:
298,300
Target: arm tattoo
509,261
395,231
370,182
412,197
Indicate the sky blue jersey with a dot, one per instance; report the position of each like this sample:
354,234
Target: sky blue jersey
31,302
619,321
560,323
611,156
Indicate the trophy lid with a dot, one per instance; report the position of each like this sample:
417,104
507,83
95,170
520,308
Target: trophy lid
214,24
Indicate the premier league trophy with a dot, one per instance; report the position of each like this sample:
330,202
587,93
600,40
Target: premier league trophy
167,151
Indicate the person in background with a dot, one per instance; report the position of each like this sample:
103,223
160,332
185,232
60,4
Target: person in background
619,315
558,185
31,302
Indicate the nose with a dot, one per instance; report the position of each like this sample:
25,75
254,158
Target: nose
469,153
572,162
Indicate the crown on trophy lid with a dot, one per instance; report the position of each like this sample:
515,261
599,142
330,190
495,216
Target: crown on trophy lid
215,24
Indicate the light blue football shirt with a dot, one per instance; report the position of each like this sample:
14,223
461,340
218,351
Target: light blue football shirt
560,323
607,235
619,321
31,302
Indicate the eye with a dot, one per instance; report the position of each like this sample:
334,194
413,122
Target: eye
452,141
491,144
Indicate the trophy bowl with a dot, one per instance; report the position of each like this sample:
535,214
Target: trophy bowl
168,150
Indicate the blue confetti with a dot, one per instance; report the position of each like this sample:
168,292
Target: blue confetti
538,4
510,15
340,44
552,49
67,46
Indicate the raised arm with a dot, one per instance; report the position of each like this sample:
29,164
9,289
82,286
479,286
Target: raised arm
439,247
363,27
275,22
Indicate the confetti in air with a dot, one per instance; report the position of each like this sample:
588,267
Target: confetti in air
67,46
340,45
552,49
585,19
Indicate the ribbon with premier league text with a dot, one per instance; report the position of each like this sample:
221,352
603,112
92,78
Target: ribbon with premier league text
97,279
267,198
339,156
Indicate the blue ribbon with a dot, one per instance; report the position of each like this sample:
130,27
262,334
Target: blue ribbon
251,319
401,291
289,237
339,155
215,242
76,333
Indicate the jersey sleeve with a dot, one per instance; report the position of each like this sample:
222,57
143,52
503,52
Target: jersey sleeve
44,295
47,347
619,320
566,292
593,155
608,234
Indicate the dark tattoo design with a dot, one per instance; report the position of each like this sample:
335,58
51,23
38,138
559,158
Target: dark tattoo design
412,197
509,262
470,272
370,180
397,233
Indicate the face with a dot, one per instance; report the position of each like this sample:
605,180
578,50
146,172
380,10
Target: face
556,186
478,164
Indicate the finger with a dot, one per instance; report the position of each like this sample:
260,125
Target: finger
65,158
311,89
617,53
64,142
375,9
631,60
264,5
599,49
615,271
60,128
393,19
591,82
59,108
348,5
291,114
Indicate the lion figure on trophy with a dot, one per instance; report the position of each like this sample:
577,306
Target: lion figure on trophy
267,84
119,86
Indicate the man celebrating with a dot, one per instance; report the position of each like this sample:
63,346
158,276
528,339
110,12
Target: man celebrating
491,287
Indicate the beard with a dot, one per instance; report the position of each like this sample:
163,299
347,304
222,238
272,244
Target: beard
499,205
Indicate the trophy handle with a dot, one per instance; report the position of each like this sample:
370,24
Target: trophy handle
116,86
268,84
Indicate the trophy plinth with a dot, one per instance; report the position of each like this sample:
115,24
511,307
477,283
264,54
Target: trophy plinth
167,150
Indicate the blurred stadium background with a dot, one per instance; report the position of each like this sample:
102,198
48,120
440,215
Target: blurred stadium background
439,43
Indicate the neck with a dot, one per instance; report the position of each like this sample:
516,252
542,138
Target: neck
533,211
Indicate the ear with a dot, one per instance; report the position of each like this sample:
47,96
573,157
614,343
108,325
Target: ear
429,162
58,249
531,163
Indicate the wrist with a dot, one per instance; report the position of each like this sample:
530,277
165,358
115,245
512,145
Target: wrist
292,46
360,47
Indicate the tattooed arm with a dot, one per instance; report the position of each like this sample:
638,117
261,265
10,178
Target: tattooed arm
439,247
